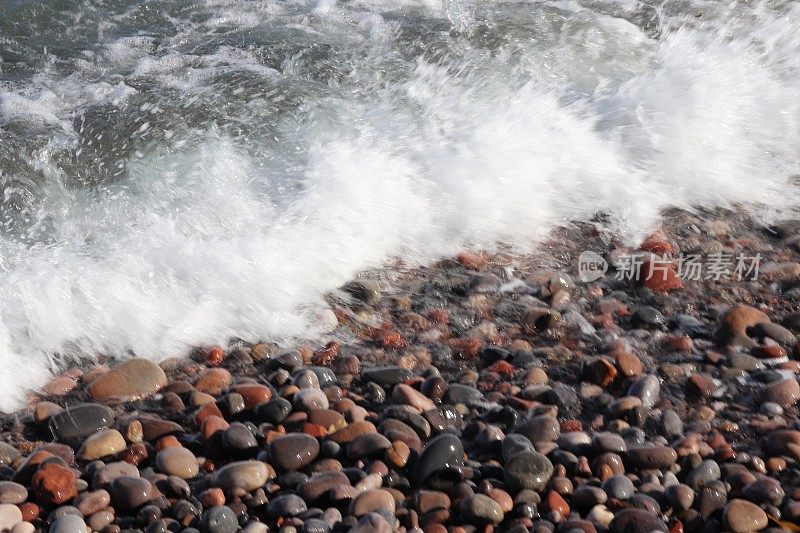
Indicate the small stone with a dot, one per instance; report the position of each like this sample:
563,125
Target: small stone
649,457
648,317
177,462
371,523
133,379
387,376
704,473
403,394
372,500
736,323
741,516
680,496
219,519
286,505
541,428
368,445
102,444
239,439
647,388
275,411
54,484
784,392
245,475
441,453
131,492
365,290
528,470
700,386
69,524
79,421
293,451
8,454
11,492
310,400
89,503
10,515
481,509
213,381
619,487
636,521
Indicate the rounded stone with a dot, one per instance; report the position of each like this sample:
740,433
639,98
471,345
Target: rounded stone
131,380
130,492
372,500
636,521
741,516
79,421
528,470
619,487
54,484
10,515
219,519
293,451
650,457
481,509
648,389
11,492
102,444
244,475
541,428
286,505
239,438
442,453
179,462
275,411
310,400
69,524
368,445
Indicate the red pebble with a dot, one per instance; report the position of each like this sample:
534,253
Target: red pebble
215,356
660,277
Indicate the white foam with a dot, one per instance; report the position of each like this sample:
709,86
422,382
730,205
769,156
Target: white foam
211,235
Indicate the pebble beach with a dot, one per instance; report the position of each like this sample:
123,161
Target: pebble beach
490,391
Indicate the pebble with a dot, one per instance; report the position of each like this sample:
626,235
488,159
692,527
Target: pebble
648,389
646,457
131,380
69,524
54,484
387,376
372,500
11,492
130,492
79,421
442,452
293,451
10,515
481,509
102,444
286,505
636,521
619,487
741,516
177,462
784,392
219,519
245,475
528,470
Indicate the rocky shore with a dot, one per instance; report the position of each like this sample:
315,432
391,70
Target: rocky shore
488,392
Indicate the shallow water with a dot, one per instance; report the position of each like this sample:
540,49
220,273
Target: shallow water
184,172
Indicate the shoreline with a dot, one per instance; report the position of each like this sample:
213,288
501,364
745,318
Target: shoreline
455,397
